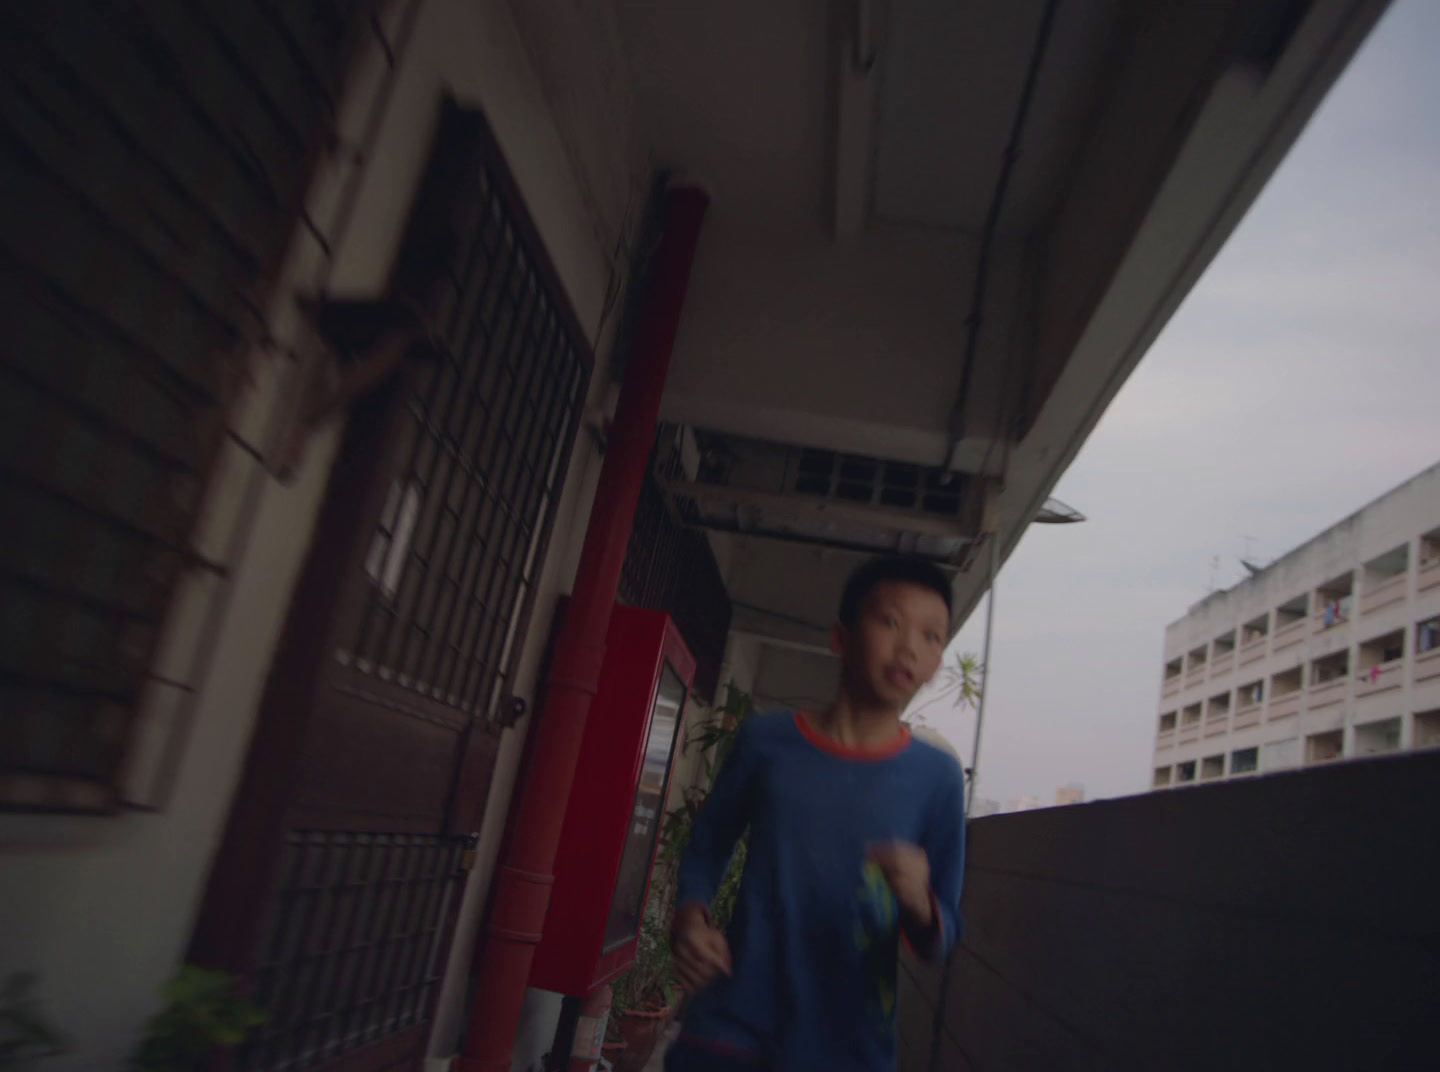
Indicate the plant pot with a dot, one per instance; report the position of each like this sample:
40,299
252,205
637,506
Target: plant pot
640,1031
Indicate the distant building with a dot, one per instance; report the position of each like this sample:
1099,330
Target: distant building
1070,794
1331,652
984,806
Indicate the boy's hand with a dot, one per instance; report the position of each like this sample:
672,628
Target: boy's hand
907,869
700,949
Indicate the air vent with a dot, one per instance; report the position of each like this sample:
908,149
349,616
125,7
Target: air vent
826,497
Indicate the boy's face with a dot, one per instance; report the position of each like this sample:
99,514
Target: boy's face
896,644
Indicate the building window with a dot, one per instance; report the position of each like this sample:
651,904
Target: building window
1225,645
1377,738
1430,548
1292,612
1392,564
1251,694
1212,767
1173,669
1219,705
1379,653
1291,681
1190,716
1185,772
1167,722
1427,636
1162,777
1255,629
1335,600
1244,760
1325,747
1195,661
1331,668
1427,729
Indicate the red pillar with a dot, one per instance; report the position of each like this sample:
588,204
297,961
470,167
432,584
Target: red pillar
525,877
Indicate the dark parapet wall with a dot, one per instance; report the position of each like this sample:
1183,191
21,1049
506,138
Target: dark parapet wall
1283,922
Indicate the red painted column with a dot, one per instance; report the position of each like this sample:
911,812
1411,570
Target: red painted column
523,883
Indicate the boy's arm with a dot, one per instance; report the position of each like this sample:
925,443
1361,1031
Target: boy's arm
945,847
718,827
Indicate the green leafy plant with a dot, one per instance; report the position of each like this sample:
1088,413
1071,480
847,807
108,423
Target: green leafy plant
204,1013
959,681
26,1033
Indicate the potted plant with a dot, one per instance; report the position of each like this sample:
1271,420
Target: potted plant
645,997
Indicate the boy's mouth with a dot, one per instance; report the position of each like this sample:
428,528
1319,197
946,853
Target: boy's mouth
899,677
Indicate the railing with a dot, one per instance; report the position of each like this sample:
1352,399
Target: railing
1381,679
1171,687
1252,651
1247,716
1189,734
1195,676
1287,636
1284,706
1217,725
1330,692
1383,595
1088,959
1164,739
1427,665
1222,665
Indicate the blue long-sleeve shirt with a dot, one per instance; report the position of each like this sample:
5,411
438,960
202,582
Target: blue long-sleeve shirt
815,936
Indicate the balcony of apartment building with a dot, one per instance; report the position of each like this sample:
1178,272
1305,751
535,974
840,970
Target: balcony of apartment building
1287,689
1329,681
1222,655
1291,622
1244,761
1426,671
1283,922
1335,602
1254,640
1217,714
1191,718
1196,661
1174,675
1429,577
1212,767
1380,667
1324,747
1185,772
1425,732
1165,735
1249,702
1385,581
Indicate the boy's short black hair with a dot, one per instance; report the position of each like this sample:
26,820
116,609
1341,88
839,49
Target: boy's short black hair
906,569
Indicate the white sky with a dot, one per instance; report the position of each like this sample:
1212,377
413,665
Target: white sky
1299,381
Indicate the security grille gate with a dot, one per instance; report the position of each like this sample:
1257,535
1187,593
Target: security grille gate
379,730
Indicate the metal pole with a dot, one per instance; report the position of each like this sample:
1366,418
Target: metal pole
985,671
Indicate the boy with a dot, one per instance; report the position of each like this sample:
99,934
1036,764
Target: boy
856,842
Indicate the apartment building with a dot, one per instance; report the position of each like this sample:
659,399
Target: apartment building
1332,652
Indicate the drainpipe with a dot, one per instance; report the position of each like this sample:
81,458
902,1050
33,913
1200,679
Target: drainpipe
523,883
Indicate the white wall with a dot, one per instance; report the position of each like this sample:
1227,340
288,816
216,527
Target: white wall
101,908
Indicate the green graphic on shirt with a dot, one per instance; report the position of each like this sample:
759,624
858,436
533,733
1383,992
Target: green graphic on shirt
877,930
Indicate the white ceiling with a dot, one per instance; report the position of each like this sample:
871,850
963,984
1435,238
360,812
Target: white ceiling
951,81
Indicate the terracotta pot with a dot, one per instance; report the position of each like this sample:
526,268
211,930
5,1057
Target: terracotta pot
640,1031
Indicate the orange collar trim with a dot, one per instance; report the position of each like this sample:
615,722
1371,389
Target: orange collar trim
834,748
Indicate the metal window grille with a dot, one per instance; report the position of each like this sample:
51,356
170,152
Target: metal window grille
354,948
154,157
454,557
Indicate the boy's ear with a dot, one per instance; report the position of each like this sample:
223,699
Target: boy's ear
838,636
